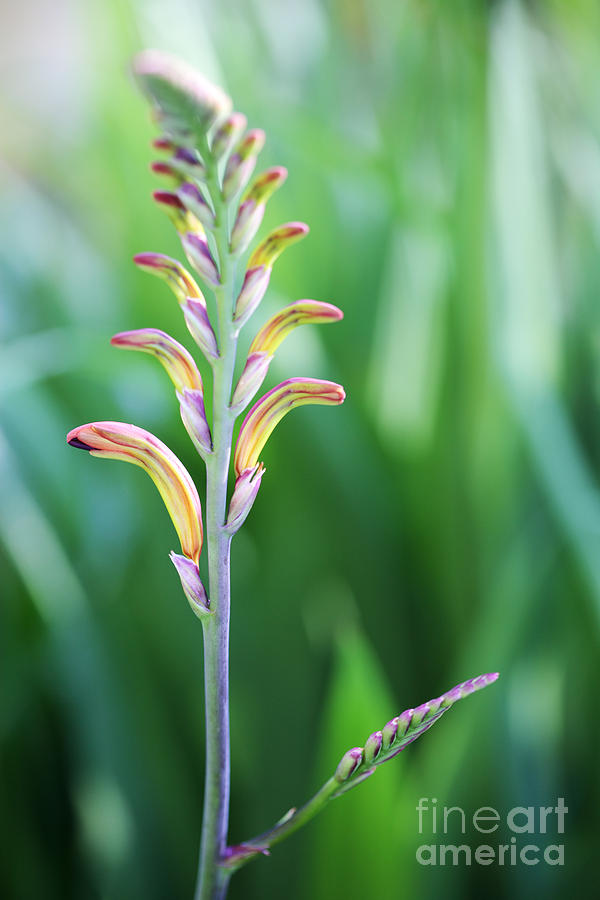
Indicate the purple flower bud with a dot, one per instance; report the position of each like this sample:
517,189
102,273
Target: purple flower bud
253,290
199,255
372,747
242,162
198,323
404,720
244,495
348,764
191,584
247,223
255,370
194,202
193,416
227,134
389,733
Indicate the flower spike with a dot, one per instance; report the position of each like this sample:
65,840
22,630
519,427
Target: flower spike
178,363
272,407
116,440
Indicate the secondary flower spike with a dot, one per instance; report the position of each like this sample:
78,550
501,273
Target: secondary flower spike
177,362
272,407
116,440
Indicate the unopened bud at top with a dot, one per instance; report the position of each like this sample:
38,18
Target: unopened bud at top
187,104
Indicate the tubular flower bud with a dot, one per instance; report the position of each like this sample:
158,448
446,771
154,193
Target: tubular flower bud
302,312
186,163
191,584
255,370
372,747
227,134
242,161
194,202
177,277
198,323
177,362
272,407
273,245
186,103
256,282
244,495
199,255
252,209
180,216
116,440
348,764
193,416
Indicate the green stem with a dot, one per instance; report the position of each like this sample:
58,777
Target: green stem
212,878
294,820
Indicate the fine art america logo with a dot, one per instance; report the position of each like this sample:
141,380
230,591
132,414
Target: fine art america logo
522,836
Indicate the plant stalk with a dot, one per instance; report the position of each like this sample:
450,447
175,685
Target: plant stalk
213,880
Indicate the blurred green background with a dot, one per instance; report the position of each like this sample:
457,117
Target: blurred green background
445,521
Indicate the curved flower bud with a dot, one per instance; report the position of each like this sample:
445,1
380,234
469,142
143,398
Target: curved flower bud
227,134
198,323
256,282
275,243
194,202
348,764
177,277
244,495
178,363
191,584
186,103
116,440
272,407
252,209
255,370
199,255
242,161
180,216
193,416
302,312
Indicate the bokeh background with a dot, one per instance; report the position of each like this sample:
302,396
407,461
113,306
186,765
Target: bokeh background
445,521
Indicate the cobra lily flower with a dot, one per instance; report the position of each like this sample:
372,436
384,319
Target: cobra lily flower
179,214
276,242
177,277
252,208
116,440
177,362
185,102
302,312
258,425
270,337
242,161
190,297
260,266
